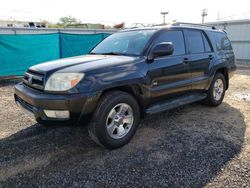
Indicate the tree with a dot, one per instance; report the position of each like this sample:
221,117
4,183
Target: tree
68,20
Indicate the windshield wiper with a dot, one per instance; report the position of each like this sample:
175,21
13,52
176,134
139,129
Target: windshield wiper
112,53
108,53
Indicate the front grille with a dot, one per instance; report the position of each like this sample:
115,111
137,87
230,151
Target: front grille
34,79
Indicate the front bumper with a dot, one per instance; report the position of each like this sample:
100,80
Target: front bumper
36,102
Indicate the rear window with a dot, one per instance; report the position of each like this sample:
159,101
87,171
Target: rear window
221,41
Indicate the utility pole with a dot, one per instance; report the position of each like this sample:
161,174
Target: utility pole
218,18
203,14
164,16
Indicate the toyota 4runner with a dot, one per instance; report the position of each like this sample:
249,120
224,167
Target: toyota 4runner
130,74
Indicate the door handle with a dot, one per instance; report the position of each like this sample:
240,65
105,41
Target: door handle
211,57
185,60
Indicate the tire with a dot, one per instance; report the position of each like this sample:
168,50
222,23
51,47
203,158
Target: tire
115,120
213,99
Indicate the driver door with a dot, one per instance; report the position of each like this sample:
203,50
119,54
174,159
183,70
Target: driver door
170,75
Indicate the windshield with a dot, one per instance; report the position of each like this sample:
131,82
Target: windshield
124,43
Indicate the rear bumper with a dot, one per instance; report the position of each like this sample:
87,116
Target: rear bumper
36,102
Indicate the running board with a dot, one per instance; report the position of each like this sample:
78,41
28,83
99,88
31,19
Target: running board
176,102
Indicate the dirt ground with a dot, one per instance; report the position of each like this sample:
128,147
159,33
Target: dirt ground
192,146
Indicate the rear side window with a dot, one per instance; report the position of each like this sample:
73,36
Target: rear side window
195,42
225,43
206,44
176,37
221,41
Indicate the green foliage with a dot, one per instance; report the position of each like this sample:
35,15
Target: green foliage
68,20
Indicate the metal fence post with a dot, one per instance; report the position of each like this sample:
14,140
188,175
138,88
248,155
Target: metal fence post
60,42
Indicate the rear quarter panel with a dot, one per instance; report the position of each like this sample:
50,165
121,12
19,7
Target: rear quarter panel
222,58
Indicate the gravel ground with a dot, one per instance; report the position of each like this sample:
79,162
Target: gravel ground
192,146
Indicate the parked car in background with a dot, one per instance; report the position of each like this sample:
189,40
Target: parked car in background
129,74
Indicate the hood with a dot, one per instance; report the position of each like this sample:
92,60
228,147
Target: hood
82,63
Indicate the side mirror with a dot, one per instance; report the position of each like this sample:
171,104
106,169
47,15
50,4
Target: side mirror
162,49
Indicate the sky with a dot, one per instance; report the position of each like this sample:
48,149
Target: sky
129,11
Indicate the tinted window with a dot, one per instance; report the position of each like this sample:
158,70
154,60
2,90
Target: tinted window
195,42
206,43
176,37
221,41
226,44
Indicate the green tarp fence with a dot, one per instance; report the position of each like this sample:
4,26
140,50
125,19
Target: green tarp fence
19,52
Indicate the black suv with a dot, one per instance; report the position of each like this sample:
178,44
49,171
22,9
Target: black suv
129,74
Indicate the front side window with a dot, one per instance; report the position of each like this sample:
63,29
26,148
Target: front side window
177,39
125,43
195,42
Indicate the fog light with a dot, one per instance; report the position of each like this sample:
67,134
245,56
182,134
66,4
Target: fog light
63,114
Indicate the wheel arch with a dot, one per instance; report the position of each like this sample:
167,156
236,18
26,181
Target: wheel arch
224,71
133,89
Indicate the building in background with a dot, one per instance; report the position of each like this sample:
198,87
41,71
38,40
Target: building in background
21,24
239,33
119,26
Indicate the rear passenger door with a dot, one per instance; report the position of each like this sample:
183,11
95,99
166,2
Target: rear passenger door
200,57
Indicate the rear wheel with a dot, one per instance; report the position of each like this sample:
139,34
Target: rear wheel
115,120
216,91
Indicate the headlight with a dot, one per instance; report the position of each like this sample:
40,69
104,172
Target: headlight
63,81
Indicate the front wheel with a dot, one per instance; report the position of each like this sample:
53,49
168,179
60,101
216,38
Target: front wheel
115,120
216,92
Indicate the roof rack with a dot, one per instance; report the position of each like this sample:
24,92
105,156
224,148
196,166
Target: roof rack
192,24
